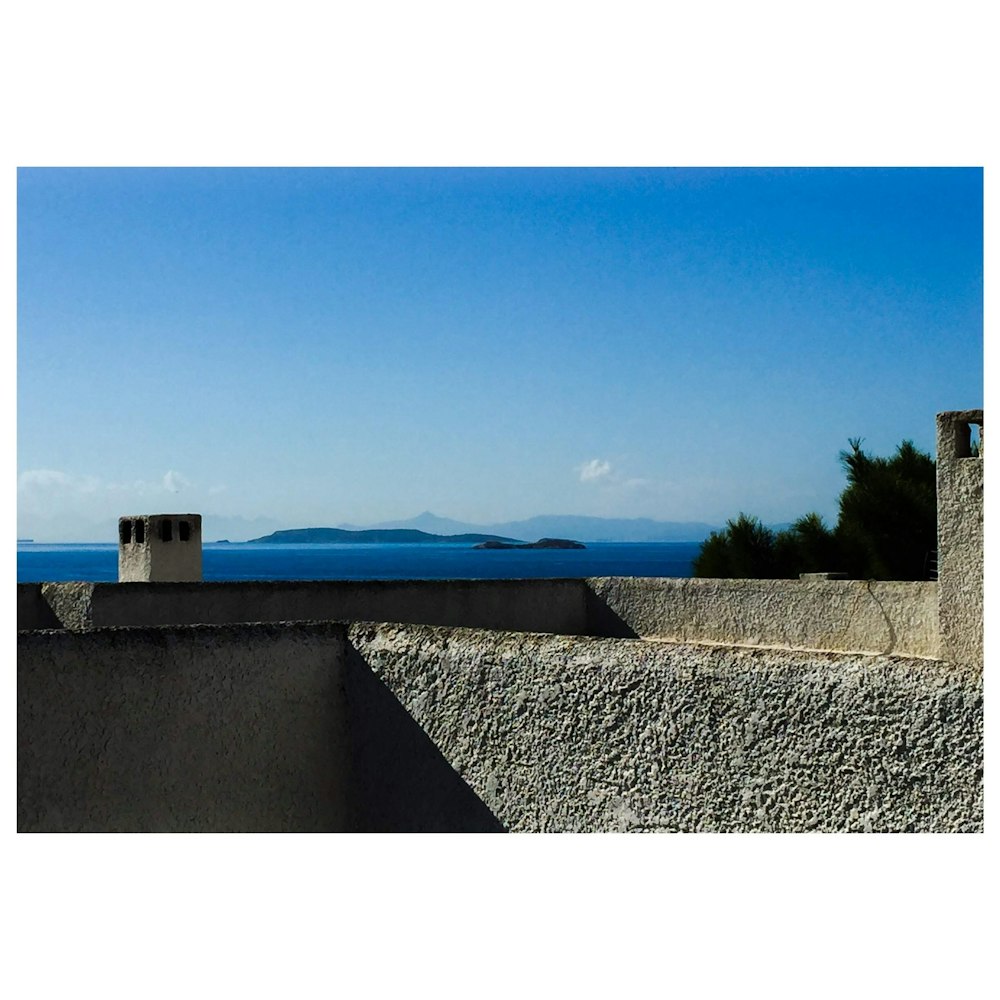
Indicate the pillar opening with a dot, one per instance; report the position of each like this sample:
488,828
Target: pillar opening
184,530
975,440
959,435
140,532
166,530
125,531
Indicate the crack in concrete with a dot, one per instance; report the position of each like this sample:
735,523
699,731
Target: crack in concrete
888,622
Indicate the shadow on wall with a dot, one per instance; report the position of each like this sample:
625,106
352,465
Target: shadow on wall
401,782
603,620
242,728
33,609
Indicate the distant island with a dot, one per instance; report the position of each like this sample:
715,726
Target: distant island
542,543
371,536
587,529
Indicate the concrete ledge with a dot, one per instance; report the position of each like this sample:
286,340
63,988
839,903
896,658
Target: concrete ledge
522,605
840,615
900,618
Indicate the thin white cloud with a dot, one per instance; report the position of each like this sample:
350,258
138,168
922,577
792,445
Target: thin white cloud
612,482
64,506
53,480
593,470
175,482
41,477
39,484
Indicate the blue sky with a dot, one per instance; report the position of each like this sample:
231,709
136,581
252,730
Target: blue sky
311,347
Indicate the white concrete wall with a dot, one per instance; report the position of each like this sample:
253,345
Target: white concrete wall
838,615
245,728
844,615
580,734
233,728
960,537
527,605
311,726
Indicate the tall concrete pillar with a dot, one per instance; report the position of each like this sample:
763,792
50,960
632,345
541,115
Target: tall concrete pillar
960,536
159,548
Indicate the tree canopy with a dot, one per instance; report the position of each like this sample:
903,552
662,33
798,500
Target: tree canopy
886,529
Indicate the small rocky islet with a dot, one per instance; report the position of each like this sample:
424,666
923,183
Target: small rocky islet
542,543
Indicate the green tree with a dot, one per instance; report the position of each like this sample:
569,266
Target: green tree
809,546
887,527
888,513
745,548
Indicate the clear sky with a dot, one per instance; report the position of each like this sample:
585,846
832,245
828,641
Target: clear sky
321,346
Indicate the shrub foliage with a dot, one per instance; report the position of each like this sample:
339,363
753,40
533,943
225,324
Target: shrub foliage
886,529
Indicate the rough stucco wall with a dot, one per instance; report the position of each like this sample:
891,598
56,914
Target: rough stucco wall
70,603
239,728
847,615
960,539
135,560
840,615
286,727
558,733
528,605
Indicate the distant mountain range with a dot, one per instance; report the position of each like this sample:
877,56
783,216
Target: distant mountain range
586,529
372,536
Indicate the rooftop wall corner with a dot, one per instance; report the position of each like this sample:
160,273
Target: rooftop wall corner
954,434
960,535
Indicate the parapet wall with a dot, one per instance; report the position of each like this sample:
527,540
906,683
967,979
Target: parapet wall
320,726
519,605
845,615
241,728
560,734
899,618
235,728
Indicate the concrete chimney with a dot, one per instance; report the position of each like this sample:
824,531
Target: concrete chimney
156,548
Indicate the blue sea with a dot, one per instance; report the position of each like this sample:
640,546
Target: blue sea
240,561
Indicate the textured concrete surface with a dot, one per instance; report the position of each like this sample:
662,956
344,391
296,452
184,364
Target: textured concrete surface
156,558
71,604
960,537
223,728
559,733
320,726
522,605
839,615
843,615
400,781
238,728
